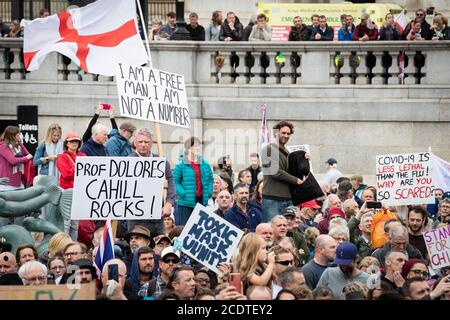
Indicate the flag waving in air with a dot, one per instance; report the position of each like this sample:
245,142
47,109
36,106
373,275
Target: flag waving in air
96,37
105,250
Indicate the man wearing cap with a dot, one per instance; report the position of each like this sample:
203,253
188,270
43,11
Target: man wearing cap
332,173
299,239
310,216
324,253
85,271
366,30
119,144
276,193
336,278
161,242
143,144
138,237
243,214
168,261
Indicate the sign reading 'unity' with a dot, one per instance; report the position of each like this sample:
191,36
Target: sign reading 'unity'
153,95
121,188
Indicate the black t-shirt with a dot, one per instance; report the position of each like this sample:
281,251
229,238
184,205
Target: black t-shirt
197,34
312,272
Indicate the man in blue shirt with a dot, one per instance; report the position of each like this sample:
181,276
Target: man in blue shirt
243,214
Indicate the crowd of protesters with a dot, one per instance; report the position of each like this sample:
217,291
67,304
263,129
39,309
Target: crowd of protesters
231,28
336,245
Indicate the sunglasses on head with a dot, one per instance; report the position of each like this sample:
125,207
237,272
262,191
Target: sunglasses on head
285,262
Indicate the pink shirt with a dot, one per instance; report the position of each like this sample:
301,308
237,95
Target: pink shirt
8,161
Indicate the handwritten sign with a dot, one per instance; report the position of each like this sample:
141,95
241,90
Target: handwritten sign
438,246
120,188
209,239
404,179
300,147
48,292
153,95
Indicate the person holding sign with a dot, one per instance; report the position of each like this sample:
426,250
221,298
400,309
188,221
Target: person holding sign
193,179
66,166
143,144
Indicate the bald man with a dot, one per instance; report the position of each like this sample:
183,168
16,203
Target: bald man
8,263
324,253
266,232
116,290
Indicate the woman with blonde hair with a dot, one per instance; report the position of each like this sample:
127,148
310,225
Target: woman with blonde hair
57,244
255,265
48,150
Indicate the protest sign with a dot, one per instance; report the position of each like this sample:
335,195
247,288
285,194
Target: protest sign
209,239
48,292
301,147
120,188
153,95
438,246
404,179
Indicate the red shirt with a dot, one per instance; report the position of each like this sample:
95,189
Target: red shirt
66,166
198,179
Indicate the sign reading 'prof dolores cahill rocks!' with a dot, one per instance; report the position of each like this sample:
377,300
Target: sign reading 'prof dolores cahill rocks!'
120,188
404,179
153,95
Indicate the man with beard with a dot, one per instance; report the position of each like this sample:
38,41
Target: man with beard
336,278
85,271
224,202
137,284
324,253
243,214
168,261
266,232
276,193
138,237
294,233
417,220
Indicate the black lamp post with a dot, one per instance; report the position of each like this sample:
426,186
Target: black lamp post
180,33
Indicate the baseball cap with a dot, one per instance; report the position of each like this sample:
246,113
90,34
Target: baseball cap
162,237
345,253
310,204
289,211
169,250
446,195
331,161
72,136
365,16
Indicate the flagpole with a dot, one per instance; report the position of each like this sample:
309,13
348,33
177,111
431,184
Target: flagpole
145,34
157,125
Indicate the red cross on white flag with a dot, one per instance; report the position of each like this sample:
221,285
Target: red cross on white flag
96,37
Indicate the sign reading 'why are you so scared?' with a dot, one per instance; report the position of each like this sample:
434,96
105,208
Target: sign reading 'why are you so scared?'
152,95
209,239
119,188
404,179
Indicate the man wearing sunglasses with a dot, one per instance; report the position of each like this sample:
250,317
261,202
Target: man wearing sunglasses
424,25
283,260
168,261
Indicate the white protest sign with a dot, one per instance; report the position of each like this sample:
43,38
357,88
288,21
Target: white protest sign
404,179
153,95
119,188
209,239
438,246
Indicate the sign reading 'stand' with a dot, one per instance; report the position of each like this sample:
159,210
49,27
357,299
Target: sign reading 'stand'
152,95
119,188
209,239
